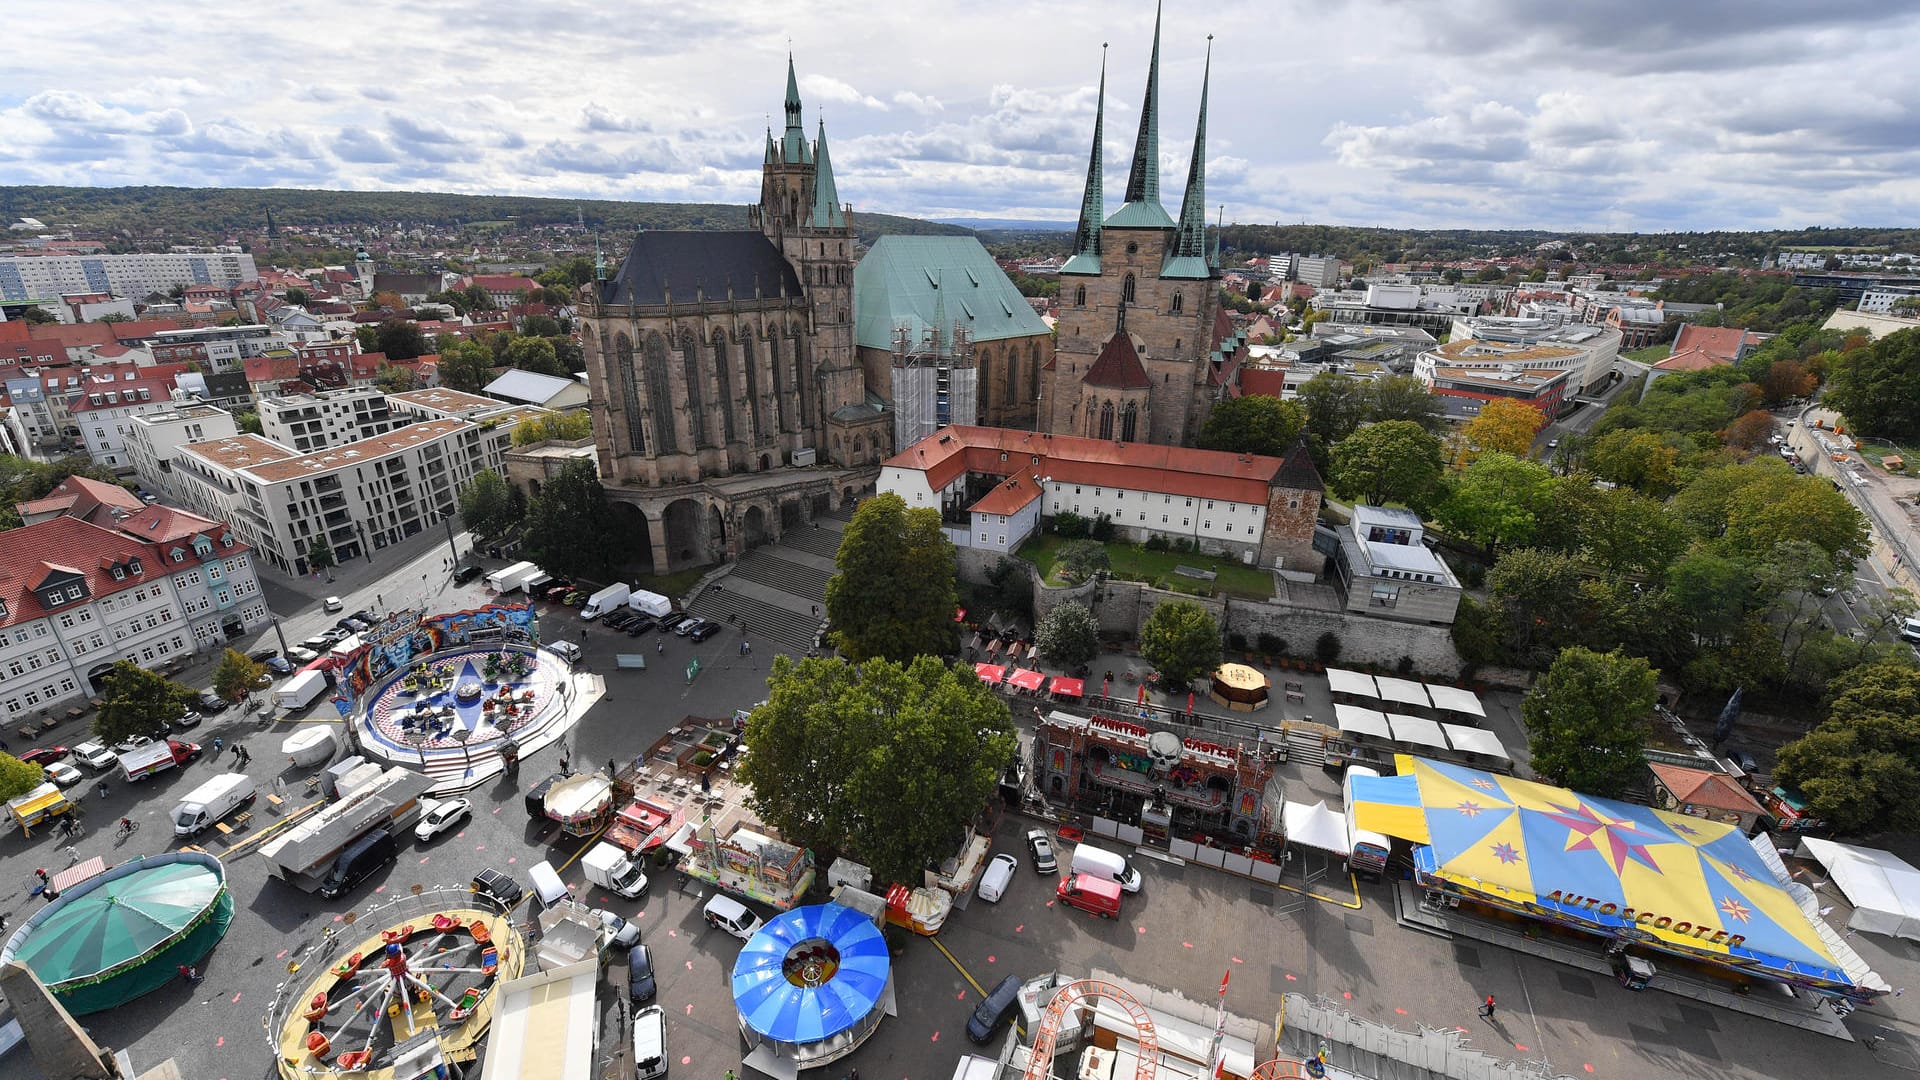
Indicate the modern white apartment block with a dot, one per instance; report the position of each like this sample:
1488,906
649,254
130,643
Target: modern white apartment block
217,349
310,422
76,597
49,277
154,439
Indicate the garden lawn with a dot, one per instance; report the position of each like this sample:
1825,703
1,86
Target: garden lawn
1134,563
1652,354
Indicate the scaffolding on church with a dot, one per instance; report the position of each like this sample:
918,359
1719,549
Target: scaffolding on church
935,383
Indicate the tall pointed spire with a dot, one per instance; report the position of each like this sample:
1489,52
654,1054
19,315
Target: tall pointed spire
1143,179
793,146
1086,238
827,213
1192,238
770,158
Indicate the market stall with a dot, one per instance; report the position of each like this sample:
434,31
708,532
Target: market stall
1883,888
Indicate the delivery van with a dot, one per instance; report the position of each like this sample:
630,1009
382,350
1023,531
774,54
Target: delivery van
994,1009
1094,895
358,862
1100,862
650,1043
547,884
212,801
603,601
997,876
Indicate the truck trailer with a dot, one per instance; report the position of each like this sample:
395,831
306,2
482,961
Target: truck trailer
499,580
157,757
299,691
611,868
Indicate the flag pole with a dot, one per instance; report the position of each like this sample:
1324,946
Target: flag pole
1220,1027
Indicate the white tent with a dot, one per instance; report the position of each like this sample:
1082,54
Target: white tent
1315,826
1883,888
1416,731
1473,740
1342,681
1402,691
1355,720
1452,699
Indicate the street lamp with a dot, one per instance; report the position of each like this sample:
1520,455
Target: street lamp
461,733
418,739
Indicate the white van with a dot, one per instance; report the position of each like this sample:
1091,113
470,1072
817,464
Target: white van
1101,863
547,884
997,876
567,651
650,1043
732,916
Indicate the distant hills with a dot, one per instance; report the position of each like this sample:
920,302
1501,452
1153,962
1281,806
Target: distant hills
215,211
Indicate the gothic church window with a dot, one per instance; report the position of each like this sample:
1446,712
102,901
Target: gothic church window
1129,420
1126,290
696,399
630,394
1106,420
666,439
1178,303
1080,296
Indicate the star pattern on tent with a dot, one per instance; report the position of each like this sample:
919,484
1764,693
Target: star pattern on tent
1739,871
1483,783
1506,853
1469,808
1683,828
1615,839
1734,909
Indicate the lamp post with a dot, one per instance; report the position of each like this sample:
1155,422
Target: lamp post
419,738
461,733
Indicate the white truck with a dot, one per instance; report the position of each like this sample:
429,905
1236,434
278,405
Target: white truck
612,868
212,801
1104,864
156,757
299,691
509,578
649,603
604,601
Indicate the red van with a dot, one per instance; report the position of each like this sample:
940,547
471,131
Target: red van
1097,896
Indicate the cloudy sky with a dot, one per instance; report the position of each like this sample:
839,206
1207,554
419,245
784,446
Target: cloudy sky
1626,114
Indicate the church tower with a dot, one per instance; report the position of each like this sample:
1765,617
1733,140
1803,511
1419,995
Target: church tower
1139,286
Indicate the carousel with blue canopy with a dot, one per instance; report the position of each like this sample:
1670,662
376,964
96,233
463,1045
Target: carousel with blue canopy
812,985
1682,885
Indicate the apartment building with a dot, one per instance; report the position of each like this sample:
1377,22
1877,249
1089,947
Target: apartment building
1494,341
218,349
361,496
154,438
48,277
311,422
109,401
77,596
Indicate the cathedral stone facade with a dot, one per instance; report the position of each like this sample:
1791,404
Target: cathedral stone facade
1144,349
728,402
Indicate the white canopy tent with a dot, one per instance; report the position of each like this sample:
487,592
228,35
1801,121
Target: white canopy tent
1455,701
1402,692
1883,888
1316,827
1356,721
1479,741
1342,681
1416,731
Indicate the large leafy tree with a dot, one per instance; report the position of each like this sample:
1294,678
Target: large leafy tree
1336,405
1181,640
235,675
1255,424
1393,461
1504,426
1068,636
1587,721
1860,769
1878,387
465,365
489,505
1641,460
400,339
1498,501
1750,507
18,777
883,761
570,525
535,354
895,593
1405,397
1624,533
138,702
1535,597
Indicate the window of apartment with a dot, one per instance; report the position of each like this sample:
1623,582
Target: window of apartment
33,698
53,656
119,574
1143,517
16,669
983,538
1189,504
1209,504
67,620
1163,519
1185,522
1003,539
67,686
1206,524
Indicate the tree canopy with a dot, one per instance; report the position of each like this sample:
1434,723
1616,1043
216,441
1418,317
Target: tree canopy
1255,424
894,595
1181,640
1395,461
1068,635
570,525
1504,426
1405,397
1498,500
560,426
1587,721
883,761
489,505
236,676
1860,769
535,354
1335,404
138,702
466,366
18,777
1878,387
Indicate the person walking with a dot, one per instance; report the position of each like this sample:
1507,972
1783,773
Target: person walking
218,745
1487,1009
73,855
41,874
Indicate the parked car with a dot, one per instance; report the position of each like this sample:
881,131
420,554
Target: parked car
996,878
334,636
212,703
619,620
621,933
441,816
261,656
351,625
95,756
498,887
366,616
62,774
994,1009
1042,851
686,626
465,574
300,654
186,721
574,598
705,630
671,620
279,665
45,755
640,984
731,915
131,743
639,624
334,604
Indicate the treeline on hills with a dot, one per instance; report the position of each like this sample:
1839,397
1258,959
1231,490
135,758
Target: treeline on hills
1359,244
203,211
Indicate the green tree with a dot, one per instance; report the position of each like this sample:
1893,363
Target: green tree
535,354
1641,460
296,297
392,379
1878,387
1078,559
1587,721
540,326
478,298
138,702
1860,769
1068,636
894,595
18,777
320,556
1624,533
1534,600
1505,426
112,317
1255,424
466,366
883,761
571,529
1335,404
400,339
1405,397
1392,461
1181,640
235,676
562,426
1749,507
1497,502
249,423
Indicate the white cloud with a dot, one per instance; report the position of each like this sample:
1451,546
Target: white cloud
834,91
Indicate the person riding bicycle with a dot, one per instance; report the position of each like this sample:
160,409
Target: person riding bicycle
127,825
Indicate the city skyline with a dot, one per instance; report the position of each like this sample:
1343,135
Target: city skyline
1487,114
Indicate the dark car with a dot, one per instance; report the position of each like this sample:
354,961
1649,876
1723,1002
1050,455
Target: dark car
1042,851
465,574
46,755
672,620
537,796
212,703
497,887
351,625
994,1009
640,985
279,665
705,630
366,616
619,620
639,624
261,656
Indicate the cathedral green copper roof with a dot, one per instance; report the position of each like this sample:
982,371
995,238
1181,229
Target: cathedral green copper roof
1187,256
918,280
827,212
1142,209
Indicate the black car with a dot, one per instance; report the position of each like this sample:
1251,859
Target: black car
994,1009
465,574
640,984
537,797
639,624
211,702
618,620
672,620
366,616
704,631
261,656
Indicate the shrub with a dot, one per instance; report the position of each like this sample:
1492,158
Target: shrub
1269,644
1070,525
1102,528
702,759
1156,542
1237,641
1326,648
1405,666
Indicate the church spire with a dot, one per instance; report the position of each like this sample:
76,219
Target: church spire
1086,238
793,146
770,158
1143,180
1192,238
827,213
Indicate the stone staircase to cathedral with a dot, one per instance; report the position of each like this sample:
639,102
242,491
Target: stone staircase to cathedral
777,593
